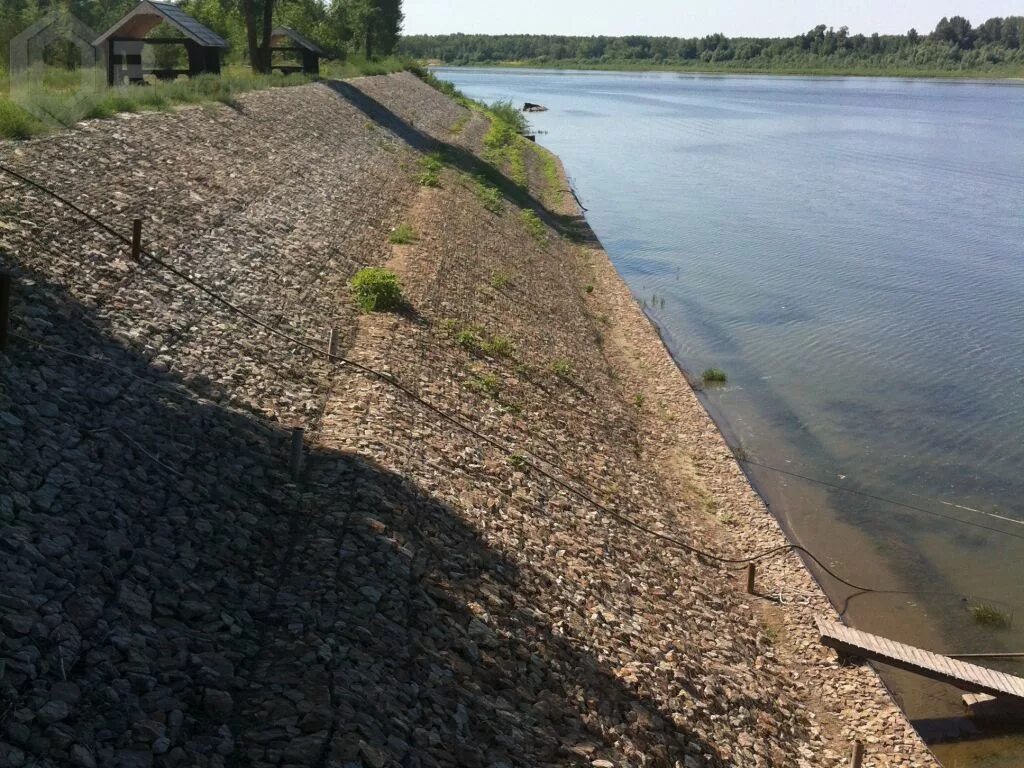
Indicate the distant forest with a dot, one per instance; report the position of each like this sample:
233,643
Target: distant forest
955,45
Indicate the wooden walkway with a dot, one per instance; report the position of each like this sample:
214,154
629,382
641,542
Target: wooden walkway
967,677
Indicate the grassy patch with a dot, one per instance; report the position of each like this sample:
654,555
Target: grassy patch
430,170
714,376
460,125
489,196
377,290
16,123
549,170
497,346
500,280
534,226
562,368
990,616
403,234
486,384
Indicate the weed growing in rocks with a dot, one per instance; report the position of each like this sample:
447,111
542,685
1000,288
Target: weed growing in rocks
487,384
430,170
489,196
714,376
534,226
496,346
500,280
403,234
377,290
639,401
562,368
517,461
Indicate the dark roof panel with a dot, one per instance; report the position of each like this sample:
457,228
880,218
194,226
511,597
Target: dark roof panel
144,17
298,38
198,32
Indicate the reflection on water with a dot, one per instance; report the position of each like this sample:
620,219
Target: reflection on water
851,251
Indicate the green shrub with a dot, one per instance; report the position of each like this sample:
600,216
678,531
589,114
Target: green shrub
403,234
714,376
377,290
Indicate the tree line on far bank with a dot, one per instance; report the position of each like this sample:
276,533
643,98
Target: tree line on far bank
365,28
954,44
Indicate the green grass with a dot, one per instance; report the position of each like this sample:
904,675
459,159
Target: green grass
517,461
714,376
534,226
377,290
990,616
489,196
487,384
60,93
460,125
497,346
500,280
549,170
403,234
562,368
430,170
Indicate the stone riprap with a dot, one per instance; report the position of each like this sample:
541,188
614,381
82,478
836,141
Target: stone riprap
170,595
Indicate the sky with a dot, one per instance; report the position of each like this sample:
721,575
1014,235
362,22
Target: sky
691,18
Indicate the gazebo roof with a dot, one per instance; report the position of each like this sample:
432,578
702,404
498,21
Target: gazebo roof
148,14
298,38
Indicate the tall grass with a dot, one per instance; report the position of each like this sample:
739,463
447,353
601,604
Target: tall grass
65,98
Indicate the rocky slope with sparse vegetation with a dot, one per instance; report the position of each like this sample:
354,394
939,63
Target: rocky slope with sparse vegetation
464,569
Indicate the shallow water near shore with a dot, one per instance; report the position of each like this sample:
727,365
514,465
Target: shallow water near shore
851,252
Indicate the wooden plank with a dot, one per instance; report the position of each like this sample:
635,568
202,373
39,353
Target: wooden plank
967,677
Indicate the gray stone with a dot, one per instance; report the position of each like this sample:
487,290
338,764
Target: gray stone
218,704
54,711
82,757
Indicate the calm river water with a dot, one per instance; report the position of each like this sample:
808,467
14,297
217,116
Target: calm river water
851,252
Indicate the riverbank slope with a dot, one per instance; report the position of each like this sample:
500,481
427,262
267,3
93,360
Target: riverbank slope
462,571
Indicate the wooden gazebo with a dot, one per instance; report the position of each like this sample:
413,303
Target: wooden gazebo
287,40
120,47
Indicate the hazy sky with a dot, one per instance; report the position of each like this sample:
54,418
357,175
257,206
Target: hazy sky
689,18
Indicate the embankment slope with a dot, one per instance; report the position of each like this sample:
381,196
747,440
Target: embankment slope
171,596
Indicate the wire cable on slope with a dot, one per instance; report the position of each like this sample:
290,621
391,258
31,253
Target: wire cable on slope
440,413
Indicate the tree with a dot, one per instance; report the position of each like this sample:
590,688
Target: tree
258,16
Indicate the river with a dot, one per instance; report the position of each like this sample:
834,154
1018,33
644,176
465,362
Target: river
851,252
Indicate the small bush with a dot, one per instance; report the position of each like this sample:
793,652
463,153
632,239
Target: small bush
589,289
506,112
639,401
714,376
403,234
377,290
990,616
562,368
